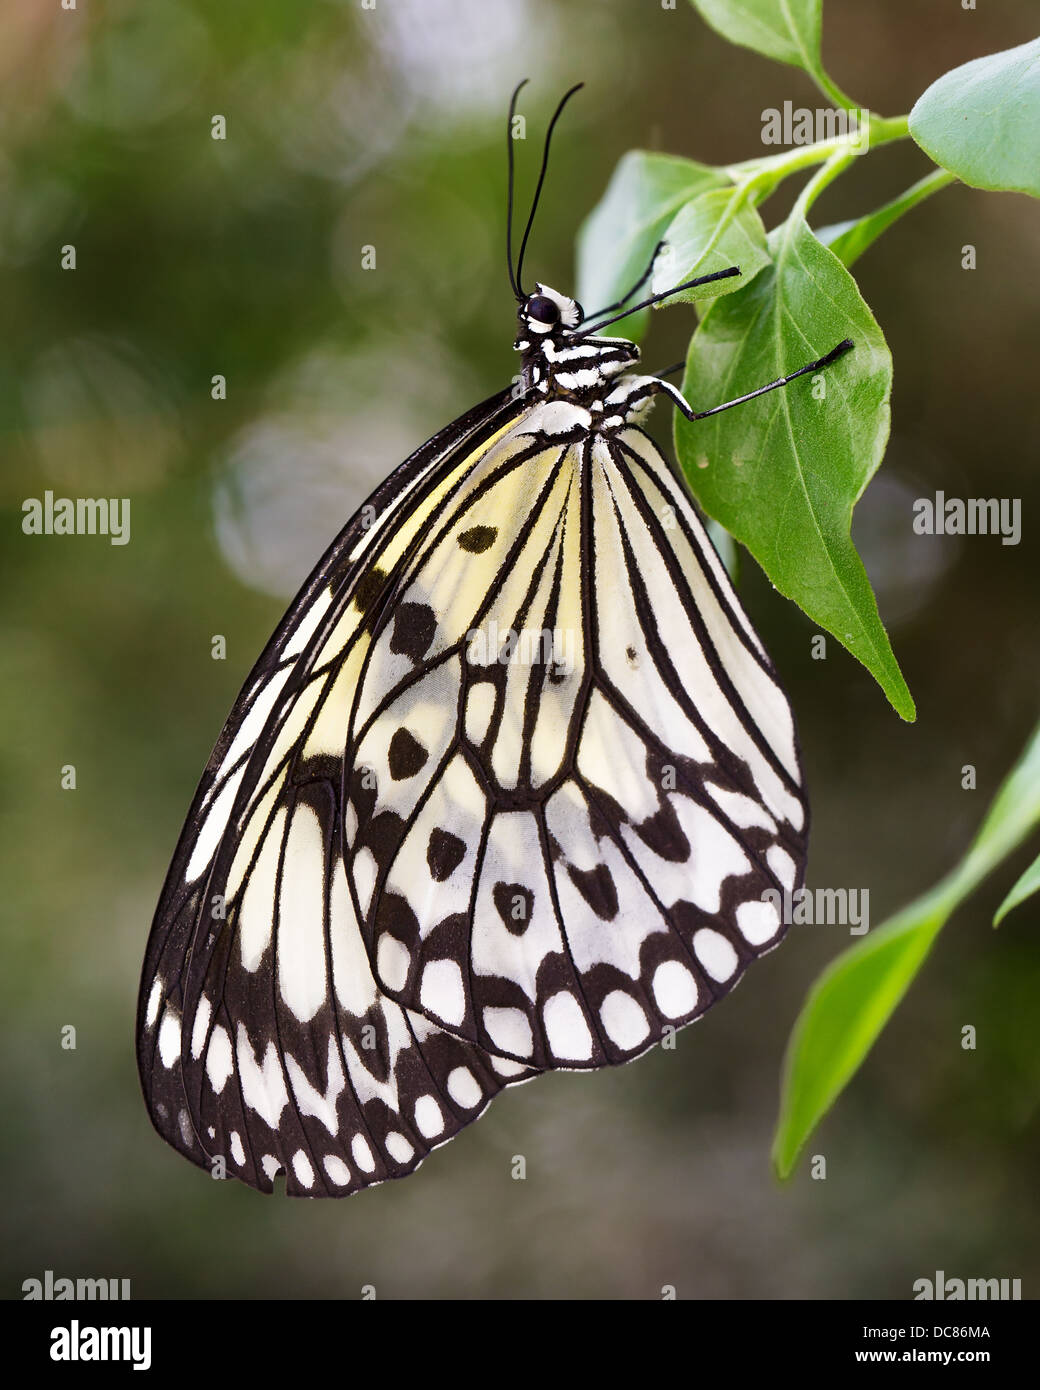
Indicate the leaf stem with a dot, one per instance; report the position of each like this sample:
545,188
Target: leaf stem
830,88
763,175
850,241
835,165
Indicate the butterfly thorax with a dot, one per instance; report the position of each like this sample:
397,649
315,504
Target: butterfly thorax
560,362
577,368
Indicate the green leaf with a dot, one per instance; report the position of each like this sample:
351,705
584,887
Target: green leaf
1015,813
618,237
1026,886
848,240
845,1012
711,232
849,1005
982,121
789,31
783,472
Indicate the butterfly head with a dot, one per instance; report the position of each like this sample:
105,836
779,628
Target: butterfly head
545,312
559,356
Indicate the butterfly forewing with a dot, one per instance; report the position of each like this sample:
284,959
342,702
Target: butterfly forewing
263,1040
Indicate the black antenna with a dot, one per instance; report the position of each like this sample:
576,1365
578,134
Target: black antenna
656,299
538,188
620,303
509,194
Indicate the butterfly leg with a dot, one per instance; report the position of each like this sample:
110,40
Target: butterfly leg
691,414
591,328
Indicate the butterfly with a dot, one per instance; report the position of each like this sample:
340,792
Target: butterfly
512,788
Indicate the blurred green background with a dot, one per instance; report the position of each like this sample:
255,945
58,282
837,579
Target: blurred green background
349,128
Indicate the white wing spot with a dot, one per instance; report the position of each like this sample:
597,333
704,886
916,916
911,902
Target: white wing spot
428,1117
263,1087
715,953
187,1132
392,962
309,1099
509,1030
506,1067
218,1059
442,991
782,865
154,1000
256,913
624,1020
464,1088
364,871
302,1168
169,1038
675,989
200,1027
566,1029
362,1151
480,706
337,1170
302,980
398,1147
238,1153
758,921
270,1165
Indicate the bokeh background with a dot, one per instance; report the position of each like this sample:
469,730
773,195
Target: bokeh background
349,127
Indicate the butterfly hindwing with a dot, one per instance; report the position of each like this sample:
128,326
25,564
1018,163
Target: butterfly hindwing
574,782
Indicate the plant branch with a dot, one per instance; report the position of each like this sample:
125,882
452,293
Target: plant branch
765,174
835,165
830,88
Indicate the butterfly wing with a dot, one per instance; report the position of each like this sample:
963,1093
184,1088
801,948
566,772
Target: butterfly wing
562,849
262,1036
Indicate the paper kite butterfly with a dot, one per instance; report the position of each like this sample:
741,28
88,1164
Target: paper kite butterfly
503,793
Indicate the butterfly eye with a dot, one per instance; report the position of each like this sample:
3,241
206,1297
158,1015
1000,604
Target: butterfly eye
542,309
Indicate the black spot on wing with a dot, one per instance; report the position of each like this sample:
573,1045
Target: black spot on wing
414,627
368,589
478,539
363,791
664,835
515,904
406,755
596,886
444,853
